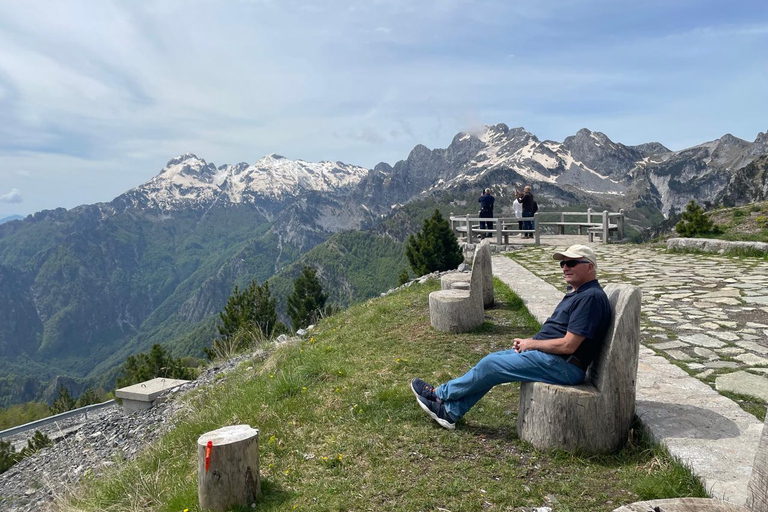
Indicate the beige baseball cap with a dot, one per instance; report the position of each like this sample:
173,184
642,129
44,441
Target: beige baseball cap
577,252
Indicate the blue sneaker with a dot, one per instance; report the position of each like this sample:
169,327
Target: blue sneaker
437,412
421,388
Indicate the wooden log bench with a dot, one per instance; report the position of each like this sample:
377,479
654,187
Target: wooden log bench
461,280
596,415
461,310
757,491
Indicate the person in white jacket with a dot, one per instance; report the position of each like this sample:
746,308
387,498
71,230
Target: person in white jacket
517,207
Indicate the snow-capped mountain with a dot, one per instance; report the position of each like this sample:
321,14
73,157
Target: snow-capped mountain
585,165
189,181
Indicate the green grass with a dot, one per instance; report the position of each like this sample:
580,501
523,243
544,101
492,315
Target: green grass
340,429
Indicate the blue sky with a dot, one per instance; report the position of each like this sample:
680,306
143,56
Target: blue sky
96,96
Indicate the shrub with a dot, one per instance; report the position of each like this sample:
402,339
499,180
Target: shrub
403,278
434,248
694,221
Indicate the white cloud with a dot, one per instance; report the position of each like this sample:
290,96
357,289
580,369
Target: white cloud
14,196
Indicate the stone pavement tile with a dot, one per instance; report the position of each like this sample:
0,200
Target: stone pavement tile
721,364
754,347
706,373
726,336
744,383
705,353
752,359
679,355
669,345
756,325
702,340
756,300
729,351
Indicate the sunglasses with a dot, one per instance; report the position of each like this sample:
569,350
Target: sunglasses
572,263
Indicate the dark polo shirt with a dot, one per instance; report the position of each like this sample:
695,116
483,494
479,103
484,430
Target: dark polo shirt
585,312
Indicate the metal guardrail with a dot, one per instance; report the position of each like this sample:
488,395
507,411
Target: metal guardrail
53,419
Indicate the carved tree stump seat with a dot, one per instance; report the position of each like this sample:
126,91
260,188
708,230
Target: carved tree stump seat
596,415
485,266
459,310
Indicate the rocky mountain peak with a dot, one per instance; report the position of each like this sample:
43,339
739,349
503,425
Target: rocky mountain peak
182,158
601,154
760,146
651,148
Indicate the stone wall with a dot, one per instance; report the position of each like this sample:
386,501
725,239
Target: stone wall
714,245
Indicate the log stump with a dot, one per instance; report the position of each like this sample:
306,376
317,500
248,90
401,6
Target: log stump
595,416
228,470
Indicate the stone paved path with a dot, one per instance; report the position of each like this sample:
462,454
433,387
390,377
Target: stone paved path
687,320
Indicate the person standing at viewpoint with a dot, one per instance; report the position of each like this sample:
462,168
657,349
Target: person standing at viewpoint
486,210
517,207
527,210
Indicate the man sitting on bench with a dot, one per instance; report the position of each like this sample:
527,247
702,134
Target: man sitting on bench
558,354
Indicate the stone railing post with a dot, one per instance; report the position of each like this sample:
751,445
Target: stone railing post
589,215
620,224
536,234
469,230
606,227
228,468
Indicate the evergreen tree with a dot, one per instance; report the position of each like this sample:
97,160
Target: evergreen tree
252,309
307,302
434,248
694,221
64,402
155,363
88,397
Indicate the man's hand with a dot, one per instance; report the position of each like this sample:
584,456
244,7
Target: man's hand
566,345
523,344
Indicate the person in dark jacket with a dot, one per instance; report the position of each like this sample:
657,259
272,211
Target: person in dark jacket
486,210
527,210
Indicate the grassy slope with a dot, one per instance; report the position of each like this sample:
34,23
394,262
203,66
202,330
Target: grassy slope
340,429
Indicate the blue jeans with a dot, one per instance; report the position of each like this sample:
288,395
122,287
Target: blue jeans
528,224
459,395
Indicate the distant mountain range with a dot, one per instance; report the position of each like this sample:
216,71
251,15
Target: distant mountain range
81,289
10,218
